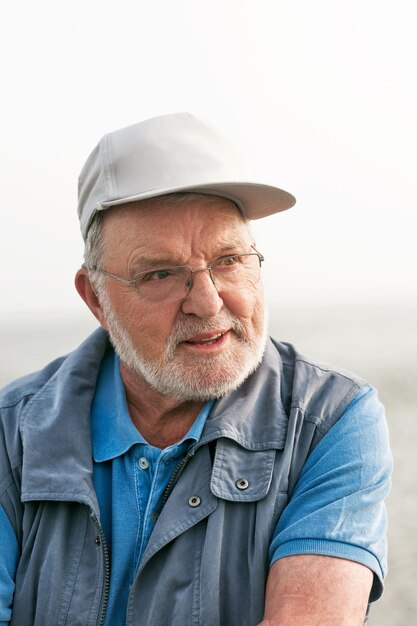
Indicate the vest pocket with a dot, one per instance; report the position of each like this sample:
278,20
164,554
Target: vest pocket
241,475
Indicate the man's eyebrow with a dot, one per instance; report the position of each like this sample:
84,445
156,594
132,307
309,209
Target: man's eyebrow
148,262
221,249
238,247
239,243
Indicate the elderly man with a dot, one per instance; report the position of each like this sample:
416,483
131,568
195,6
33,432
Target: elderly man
180,467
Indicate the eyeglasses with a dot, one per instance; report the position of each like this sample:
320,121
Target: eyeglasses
227,273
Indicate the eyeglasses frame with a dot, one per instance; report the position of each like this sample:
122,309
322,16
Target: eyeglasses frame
189,281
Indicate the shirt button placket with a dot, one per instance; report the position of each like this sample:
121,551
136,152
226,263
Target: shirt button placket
143,463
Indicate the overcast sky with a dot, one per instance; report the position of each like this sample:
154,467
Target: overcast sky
322,94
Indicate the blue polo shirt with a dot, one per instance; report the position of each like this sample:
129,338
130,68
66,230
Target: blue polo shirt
130,477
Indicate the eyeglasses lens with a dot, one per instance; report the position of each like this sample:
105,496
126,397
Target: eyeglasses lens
228,273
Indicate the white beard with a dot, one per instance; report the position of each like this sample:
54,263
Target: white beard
196,378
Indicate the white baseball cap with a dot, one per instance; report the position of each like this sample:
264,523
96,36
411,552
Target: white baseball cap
168,154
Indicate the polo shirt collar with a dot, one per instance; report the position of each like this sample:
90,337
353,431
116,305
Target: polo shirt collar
113,432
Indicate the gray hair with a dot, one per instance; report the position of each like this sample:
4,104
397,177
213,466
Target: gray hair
94,252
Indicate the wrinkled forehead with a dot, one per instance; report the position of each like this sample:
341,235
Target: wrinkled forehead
175,221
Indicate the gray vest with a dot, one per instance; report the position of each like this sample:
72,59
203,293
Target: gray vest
207,561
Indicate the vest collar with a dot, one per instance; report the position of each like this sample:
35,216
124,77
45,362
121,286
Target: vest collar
56,432
254,414
55,428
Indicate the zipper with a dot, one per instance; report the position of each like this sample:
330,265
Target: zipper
170,486
175,476
181,465
100,539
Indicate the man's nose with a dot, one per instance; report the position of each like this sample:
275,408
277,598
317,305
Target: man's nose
202,298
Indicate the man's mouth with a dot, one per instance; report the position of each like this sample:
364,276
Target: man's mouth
207,339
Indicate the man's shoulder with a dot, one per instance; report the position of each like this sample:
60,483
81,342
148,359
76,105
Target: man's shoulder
26,386
293,359
314,387
23,388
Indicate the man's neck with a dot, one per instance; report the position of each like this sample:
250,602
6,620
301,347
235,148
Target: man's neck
160,419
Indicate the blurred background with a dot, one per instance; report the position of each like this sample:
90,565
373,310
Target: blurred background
322,95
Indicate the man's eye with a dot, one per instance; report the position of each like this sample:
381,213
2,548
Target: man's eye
156,275
228,261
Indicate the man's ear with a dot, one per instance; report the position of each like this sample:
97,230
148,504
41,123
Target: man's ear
87,293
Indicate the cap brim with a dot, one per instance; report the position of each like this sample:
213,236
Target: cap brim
254,200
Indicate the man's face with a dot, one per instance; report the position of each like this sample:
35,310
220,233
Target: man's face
205,343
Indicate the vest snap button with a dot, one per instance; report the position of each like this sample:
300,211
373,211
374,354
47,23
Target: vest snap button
242,483
194,501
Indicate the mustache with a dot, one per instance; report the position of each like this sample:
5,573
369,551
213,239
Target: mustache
184,328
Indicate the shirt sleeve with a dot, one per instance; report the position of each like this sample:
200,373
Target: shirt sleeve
9,554
337,507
